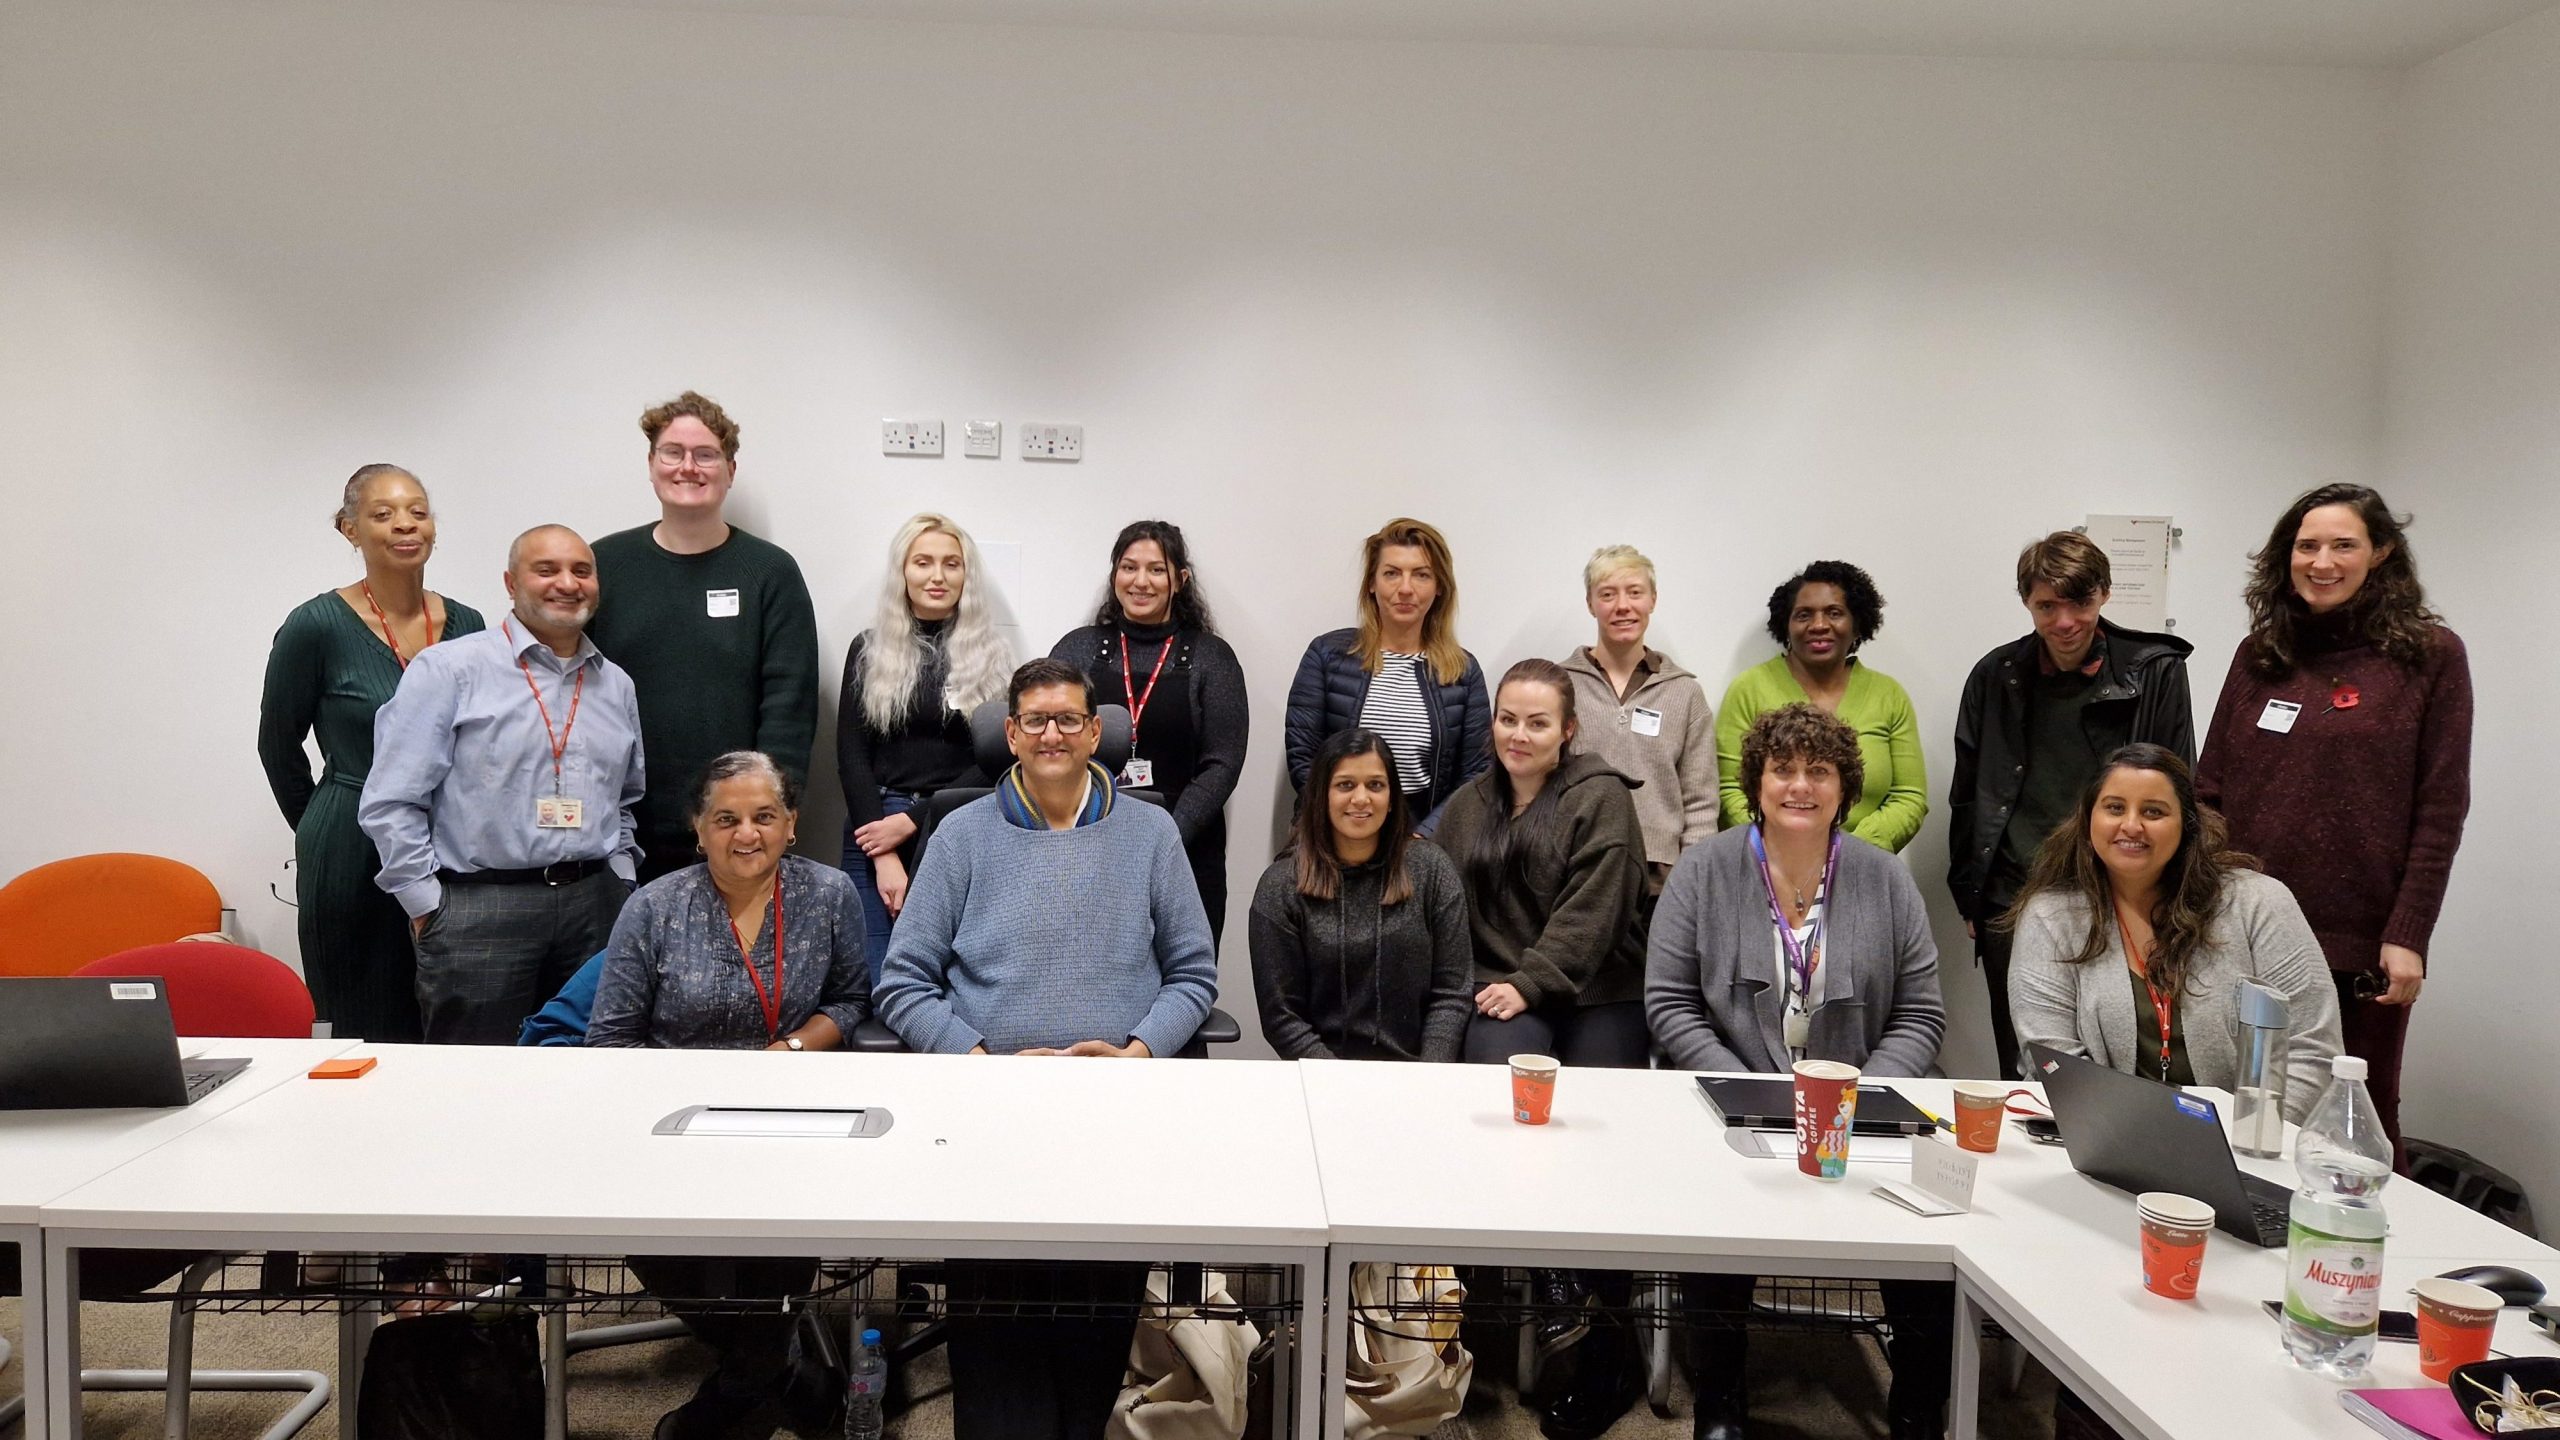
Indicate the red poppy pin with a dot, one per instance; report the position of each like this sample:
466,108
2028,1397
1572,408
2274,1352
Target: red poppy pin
2345,697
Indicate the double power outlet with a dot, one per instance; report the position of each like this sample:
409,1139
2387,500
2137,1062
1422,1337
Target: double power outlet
982,439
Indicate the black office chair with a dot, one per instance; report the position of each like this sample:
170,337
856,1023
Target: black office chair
995,757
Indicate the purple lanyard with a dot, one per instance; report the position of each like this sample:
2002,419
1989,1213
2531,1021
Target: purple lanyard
1800,958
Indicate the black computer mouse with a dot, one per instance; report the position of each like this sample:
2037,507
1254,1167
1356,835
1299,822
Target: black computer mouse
2509,1284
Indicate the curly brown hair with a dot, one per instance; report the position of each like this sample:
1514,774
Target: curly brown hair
655,420
1802,732
2390,608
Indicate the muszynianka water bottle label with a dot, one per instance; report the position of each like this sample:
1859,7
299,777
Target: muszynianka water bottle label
2334,1284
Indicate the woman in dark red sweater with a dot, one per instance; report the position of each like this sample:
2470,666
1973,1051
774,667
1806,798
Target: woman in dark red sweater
2340,753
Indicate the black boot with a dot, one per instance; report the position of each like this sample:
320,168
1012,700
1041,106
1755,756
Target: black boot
1564,1310
1722,1402
1610,1379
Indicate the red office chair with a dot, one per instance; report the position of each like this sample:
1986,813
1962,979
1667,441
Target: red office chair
218,989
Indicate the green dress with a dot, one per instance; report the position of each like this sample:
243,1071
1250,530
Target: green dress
328,673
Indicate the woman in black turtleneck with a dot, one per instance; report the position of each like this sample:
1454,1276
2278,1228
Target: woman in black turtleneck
1360,943
931,656
1152,649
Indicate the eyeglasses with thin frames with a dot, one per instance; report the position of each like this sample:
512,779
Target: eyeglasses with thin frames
1068,724
703,458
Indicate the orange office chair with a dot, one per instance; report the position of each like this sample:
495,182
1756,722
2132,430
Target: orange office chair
218,989
61,916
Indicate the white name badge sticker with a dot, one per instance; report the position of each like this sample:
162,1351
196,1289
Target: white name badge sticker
2279,716
559,812
133,990
1647,722
1138,774
720,604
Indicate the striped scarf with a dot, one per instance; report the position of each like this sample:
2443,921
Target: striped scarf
1013,798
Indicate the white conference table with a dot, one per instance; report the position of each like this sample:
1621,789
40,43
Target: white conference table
1423,1163
45,1154
506,1150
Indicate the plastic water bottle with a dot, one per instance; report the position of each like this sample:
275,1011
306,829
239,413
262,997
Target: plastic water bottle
2333,1256
866,1389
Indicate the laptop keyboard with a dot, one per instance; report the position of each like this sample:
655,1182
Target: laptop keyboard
2271,1206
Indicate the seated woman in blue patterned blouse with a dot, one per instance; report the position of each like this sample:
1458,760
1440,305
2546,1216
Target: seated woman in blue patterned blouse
751,949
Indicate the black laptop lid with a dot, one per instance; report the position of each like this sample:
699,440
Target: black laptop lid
2138,1134
79,1042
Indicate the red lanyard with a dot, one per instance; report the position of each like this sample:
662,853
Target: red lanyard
559,738
2162,1005
772,1003
393,640
1129,684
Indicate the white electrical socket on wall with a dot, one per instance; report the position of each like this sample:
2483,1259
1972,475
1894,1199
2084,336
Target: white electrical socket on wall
910,437
982,439
1052,442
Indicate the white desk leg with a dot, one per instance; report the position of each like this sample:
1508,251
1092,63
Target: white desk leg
1308,1351
1334,1361
32,1330
56,1335
356,1319
1964,1395
555,1354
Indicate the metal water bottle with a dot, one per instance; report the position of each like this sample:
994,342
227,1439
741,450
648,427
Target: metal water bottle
2257,1105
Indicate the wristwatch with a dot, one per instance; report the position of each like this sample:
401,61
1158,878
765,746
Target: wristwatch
792,1042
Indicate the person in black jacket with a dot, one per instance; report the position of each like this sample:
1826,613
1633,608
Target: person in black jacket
1359,930
2037,717
932,655
1400,672
1153,647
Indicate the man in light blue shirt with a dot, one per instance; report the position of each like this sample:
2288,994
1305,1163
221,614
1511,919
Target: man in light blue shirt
504,774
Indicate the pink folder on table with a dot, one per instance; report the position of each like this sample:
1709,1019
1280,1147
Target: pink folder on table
2423,1412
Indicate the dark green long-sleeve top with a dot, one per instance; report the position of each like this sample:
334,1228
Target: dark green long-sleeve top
723,649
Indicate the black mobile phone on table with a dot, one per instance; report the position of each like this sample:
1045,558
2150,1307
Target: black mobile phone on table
2399,1325
2041,1129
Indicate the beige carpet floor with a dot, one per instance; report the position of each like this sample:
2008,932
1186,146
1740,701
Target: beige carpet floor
1804,1386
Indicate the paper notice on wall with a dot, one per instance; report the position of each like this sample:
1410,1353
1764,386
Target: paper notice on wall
2137,549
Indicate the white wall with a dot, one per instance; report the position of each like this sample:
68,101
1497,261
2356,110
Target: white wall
2472,422
1746,310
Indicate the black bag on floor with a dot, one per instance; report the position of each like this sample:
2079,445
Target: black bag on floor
452,1376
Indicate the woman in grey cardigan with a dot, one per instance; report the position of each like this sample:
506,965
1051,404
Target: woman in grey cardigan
1788,940
2141,869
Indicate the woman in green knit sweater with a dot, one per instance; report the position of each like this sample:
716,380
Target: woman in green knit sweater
1822,614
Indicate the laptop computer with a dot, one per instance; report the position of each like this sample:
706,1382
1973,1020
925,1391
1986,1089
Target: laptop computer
1771,1105
96,1042
2138,1134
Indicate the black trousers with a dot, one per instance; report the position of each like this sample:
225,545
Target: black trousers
1921,1351
1991,947
753,1346
1038,1348
1611,1036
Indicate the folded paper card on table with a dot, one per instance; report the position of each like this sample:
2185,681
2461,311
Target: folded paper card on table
1941,1179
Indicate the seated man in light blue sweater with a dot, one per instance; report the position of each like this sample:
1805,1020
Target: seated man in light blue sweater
1047,919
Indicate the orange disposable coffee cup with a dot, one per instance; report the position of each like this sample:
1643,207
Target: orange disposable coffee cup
2455,1321
1533,1088
2174,1228
1980,1106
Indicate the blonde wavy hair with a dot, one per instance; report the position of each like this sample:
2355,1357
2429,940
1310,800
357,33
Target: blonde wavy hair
893,649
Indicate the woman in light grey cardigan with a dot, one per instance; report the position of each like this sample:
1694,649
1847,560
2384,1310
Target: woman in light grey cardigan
2142,869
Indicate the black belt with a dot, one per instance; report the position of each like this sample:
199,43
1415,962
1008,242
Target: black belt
559,872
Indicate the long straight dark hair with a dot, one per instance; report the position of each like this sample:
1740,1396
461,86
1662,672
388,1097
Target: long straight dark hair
2191,888
1501,854
1319,867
